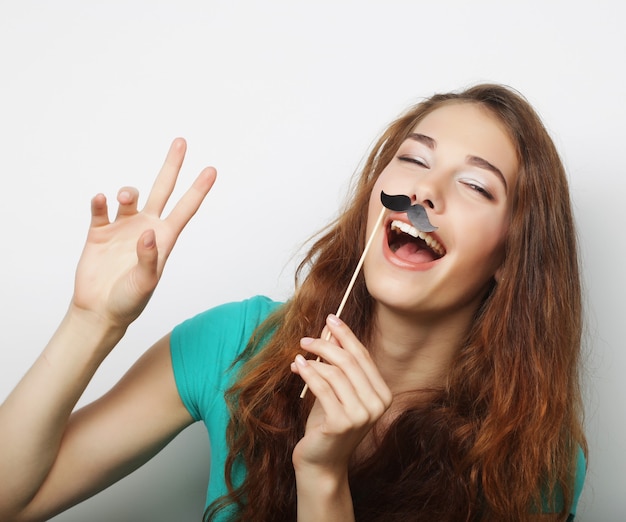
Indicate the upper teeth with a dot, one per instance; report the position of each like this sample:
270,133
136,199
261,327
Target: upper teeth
411,230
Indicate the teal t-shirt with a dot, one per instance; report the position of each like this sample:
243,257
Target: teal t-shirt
203,349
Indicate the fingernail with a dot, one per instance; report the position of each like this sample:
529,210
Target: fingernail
301,361
148,239
124,194
334,320
305,341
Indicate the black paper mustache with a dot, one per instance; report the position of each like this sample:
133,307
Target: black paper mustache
416,213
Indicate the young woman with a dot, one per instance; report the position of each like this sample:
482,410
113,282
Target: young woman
448,390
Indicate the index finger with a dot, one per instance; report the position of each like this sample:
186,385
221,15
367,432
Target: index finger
191,200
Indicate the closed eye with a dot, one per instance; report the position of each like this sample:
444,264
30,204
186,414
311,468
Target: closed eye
479,189
417,160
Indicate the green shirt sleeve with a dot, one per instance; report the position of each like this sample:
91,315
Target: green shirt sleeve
203,350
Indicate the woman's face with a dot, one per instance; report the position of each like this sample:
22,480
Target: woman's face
460,165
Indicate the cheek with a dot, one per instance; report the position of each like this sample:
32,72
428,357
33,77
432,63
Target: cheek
481,236
391,181
488,251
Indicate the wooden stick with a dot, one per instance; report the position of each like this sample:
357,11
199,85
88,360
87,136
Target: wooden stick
351,283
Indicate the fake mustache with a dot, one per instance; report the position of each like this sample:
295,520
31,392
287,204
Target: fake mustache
416,213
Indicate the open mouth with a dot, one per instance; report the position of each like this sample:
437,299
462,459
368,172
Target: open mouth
413,245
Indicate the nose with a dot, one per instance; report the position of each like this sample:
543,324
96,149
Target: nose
424,202
428,192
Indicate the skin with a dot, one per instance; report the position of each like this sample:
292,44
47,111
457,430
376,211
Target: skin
421,310
42,441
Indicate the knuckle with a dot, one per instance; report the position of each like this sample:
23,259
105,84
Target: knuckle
319,385
360,417
343,358
387,398
333,372
378,408
342,426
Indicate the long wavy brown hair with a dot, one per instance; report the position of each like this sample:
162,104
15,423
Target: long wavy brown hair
504,432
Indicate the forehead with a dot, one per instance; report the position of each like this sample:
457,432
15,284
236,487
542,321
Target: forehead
471,130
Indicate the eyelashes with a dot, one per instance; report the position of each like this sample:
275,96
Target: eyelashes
420,162
478,189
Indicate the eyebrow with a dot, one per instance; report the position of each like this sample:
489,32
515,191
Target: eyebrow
476,161
422,138
484,164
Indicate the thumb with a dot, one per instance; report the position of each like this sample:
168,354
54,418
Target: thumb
146,276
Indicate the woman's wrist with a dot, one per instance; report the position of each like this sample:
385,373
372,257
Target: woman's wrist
323,493
326,480
86,333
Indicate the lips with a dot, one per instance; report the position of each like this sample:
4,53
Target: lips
412,246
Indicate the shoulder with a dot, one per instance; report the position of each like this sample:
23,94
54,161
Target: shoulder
244,316
204,348
252,310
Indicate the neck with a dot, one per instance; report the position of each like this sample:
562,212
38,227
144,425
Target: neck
415,353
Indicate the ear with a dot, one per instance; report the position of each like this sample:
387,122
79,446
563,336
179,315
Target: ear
498,274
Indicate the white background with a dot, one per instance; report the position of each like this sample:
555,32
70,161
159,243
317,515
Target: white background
284,98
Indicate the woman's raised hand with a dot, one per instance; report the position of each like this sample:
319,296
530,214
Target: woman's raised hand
123,260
